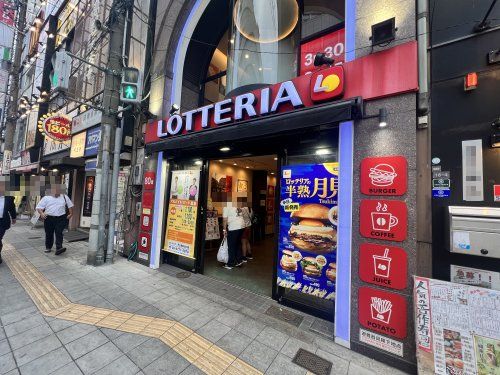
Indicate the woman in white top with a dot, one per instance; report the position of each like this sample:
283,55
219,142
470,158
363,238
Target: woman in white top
233,224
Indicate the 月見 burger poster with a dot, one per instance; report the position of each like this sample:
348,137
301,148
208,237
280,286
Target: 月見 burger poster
308,229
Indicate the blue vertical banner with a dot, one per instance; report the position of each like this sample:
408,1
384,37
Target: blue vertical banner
308,229
92,141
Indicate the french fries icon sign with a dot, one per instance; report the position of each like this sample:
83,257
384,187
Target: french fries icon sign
381,310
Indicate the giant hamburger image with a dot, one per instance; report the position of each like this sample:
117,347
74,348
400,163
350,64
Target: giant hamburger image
310,267
312,230
288,262
331,272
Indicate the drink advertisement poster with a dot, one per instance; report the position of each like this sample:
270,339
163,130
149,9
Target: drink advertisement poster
308,229
182,213
457,328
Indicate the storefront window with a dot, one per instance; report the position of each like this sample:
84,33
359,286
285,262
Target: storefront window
321,15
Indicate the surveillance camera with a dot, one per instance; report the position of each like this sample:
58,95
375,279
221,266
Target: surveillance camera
98,24
175,108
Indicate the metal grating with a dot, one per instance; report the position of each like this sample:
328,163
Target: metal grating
312,362
183,275
285,315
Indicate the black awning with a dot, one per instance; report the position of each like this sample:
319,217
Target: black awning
281,123
67,162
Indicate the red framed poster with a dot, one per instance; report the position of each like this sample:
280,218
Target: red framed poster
149,180
332,45
383,265
383,219
386,175
382,312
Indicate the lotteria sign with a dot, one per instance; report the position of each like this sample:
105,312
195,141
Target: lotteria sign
303,91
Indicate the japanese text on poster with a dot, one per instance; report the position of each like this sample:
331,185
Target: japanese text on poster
464,326
308,229
182,213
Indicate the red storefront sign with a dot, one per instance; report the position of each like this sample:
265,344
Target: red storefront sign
381,74
149,180
144,242
383,265
496,193
383,219
387,175
327,84
382,312
55,126
146,222
147,199
332,45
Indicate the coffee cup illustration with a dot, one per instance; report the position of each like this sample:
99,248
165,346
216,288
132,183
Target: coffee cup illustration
382,264
383,220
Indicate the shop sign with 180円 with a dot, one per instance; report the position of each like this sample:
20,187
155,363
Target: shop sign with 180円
308,229
55,126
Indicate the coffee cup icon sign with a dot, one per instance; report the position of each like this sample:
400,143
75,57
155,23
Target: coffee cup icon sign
383,221
382,264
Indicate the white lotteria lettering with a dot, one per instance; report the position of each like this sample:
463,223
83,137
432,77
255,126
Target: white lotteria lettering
287,93
264,101
219,111
244,102
189,119
177,120
204,115
318,84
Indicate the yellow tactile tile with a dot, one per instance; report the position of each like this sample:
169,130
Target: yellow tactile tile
51,302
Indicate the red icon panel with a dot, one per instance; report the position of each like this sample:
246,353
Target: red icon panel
327,84
383,219
387,175
147,199
383,265
144,242
146,222
149,180
382,312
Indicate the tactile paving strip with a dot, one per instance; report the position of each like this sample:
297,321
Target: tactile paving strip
208,357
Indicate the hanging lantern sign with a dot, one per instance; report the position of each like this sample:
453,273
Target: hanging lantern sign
56,126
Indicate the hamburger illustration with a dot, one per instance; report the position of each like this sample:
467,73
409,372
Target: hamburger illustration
288,262
310,267
331,272
312,230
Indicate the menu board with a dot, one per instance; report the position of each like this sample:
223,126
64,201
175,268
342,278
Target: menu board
182,213
308,229
88,196
212,226
457,328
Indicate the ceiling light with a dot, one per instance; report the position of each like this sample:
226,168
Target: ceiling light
55,170
198,162
247,55
235,164
225,149
220,161
275,158
272,172
323,151
247,167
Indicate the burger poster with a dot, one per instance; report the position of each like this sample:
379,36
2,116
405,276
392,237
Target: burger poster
308,229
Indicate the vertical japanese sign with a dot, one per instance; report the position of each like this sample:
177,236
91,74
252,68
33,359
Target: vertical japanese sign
457,328
88,196
308,229
182,213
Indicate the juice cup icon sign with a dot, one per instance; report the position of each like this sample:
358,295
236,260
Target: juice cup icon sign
383,221
382,264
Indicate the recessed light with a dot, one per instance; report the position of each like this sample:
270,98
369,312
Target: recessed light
272,172
247,55
225,149
323,151
235,164
247,167
220,160
275,158
198,162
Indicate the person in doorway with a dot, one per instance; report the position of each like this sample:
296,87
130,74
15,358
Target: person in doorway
52,208
245,238
7,213
193,190
233,225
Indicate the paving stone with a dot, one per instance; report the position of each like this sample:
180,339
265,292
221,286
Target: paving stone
30,336
250,327
98,358
283,365
147,352
195,320
230,318
18,315
69,369
234,342
47,363
112,334
74,332
169,363
198,302
192,370
59,324
24,325
7,363
258,355
340,366
181,311
214,330
129,341
121,366
293,345
85,344
36,349
355,369
4,347
13,372
272,338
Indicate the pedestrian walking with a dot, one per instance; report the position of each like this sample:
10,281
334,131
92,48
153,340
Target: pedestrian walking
233,225
247,231
56,209
7,214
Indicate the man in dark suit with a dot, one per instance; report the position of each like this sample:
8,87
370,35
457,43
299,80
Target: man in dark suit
7,213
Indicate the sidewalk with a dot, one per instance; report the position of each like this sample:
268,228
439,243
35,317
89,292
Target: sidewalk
142,321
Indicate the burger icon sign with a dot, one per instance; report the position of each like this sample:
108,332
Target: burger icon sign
382,175
385,175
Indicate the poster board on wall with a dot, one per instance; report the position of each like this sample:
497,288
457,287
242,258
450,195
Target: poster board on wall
182,213
457,328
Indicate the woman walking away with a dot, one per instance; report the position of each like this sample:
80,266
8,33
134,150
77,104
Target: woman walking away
233,224
245,238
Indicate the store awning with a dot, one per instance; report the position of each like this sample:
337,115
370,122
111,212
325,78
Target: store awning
272,125
66,161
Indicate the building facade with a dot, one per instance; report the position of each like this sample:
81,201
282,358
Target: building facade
244,117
